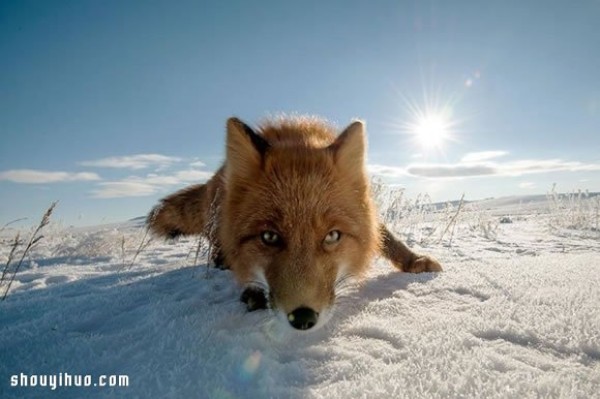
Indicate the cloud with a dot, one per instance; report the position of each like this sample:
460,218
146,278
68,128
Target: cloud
197,164
386,171
481,164
140,161
482,156
444,171
527,185
119,189
518,168
137,186
193,175
510,168
29,176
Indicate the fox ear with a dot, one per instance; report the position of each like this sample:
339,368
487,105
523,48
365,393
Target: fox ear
349,148
245,148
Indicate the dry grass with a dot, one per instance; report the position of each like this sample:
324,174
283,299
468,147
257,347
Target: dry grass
144,243
419,220
13,249
452,220
578,210
34,239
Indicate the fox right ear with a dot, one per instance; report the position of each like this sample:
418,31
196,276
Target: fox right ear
350,146
245,148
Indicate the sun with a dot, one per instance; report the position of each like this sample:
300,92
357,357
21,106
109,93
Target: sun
431,130
430,125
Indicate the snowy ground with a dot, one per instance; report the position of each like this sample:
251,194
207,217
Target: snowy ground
515,314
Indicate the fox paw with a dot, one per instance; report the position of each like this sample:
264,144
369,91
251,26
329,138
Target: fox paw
254,298
423,264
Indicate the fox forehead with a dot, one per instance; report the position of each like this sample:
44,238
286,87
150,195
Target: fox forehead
302,187
318,164
302,213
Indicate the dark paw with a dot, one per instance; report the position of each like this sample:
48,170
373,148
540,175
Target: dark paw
173,234
218,260
254,298
424,264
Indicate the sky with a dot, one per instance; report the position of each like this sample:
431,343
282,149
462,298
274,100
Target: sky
108,106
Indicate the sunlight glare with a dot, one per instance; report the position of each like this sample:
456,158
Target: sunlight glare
431,130
430,124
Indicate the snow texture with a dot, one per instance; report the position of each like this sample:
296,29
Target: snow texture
516,316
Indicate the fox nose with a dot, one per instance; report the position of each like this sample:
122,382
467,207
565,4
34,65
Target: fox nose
303,318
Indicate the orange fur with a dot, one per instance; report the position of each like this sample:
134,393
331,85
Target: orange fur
297,178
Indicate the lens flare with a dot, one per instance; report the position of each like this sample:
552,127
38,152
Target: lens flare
250,366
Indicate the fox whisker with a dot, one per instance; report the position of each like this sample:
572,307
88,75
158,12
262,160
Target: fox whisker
345,283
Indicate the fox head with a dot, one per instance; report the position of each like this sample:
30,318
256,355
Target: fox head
297,216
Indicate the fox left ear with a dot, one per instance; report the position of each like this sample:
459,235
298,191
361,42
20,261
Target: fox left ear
349,148
244,149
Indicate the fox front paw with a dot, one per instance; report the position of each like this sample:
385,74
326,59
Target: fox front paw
254,298
423,264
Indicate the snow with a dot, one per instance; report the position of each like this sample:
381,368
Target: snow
515,314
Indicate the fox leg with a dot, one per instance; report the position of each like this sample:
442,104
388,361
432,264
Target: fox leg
402,257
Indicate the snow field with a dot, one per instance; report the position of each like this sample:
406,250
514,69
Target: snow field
514,315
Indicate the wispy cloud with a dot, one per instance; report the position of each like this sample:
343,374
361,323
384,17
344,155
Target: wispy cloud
517,168
30,176
197,164
138,186
484,167
510,168
386,170
482,156
527,185
448,170
119,189
139,161
132,186
193,175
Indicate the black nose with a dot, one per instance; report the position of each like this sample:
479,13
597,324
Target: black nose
303,318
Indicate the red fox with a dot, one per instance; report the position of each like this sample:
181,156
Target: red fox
290,213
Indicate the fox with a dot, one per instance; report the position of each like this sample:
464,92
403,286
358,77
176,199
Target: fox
290,213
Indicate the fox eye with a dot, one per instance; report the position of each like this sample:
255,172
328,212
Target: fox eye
332,237
270,238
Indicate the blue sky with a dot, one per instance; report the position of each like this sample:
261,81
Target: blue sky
107,106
